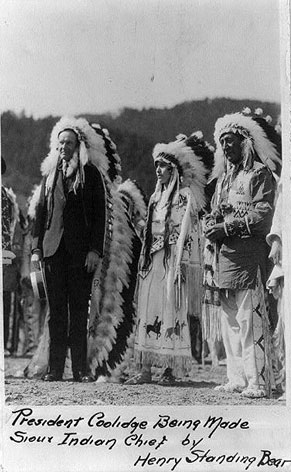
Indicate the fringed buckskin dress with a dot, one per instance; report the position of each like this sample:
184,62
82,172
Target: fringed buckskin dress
169,289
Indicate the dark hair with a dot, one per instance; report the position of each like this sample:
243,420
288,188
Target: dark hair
167,227
149,236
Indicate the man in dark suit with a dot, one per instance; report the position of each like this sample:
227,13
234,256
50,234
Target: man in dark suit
69,236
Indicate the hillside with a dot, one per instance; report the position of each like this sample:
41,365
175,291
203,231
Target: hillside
25,140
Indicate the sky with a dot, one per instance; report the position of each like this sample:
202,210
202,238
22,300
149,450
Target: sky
94,56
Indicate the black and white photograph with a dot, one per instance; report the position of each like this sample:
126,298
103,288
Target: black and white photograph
145,170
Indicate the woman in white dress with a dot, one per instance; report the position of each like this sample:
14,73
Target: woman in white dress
169,282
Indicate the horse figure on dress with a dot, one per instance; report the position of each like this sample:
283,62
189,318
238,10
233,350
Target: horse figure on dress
177,329
155,328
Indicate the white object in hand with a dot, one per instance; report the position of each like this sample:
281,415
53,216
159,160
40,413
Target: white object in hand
7,257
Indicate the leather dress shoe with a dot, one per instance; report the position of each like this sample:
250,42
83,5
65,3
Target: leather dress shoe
52,377
87,379
84,378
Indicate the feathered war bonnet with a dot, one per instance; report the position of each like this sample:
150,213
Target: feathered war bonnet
94,147
134,197
33,201
114,161
188,162
260,141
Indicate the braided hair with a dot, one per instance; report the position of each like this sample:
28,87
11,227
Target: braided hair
148,237
167,249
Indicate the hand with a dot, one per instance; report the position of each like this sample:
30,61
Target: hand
209,218
207,223
215,232
92,261
276,251
35,262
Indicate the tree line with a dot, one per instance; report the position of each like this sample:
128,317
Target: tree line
25,140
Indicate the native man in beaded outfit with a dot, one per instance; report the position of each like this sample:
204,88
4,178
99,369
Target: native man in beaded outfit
246,159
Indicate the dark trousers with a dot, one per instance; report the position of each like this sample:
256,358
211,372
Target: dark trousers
69,288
